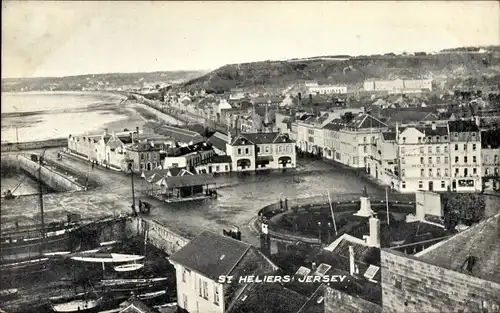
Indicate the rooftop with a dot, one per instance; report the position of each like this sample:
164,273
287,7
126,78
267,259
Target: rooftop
365,121
267,298
490,139
179,134
479,246
260,138
211,254
316,303
462,126
221,159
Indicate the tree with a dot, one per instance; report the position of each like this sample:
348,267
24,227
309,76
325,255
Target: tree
467,208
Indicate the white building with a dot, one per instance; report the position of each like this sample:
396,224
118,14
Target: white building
383,162
328,89
201,262
398,85
490,157
216,164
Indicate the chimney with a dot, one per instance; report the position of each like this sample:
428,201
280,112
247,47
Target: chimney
352,265
374,237
313,267
477,120
137,130
105,131
433,125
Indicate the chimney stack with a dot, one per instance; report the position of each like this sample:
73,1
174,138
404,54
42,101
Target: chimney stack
374,237
137,130
352,265
105,131
313,267
433,125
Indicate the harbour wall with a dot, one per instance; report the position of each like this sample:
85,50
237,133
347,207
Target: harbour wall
33,145
158,235
50,177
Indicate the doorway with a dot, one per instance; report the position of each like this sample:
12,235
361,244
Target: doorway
431,186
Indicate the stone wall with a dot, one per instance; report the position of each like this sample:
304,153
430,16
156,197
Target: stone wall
158,235
410,285
339,302
53,179
32,145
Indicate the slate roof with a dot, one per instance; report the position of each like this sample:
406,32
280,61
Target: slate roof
490,139
179,134
407,116
136,306
462,126
221,159
312,305
267,298
260,138
389,136
480,241
365,121
189,180
211,254
217,142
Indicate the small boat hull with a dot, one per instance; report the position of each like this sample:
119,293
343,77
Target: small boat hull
151,295
107,258
128,267
77,306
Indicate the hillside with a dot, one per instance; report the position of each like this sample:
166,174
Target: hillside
452,68
91,81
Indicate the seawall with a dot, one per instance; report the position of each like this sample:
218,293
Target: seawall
33,145
50,177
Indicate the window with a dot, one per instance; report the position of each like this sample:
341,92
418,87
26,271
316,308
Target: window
445,149
200,290
420,184
443,184
474,159
217,168
496,171
421,160
239,151
445,160
457,170
404,139
430,172
422,172
487,171
403,172
438,149
141,166
473,147
438,172
397,284
149,156
456,147
455,134
445,138
364,139
365,149
465,159
465,147
403,161
486,158
495,159
402,149
419,139
258,149
466,171
216,294
142,156
185,300
421,149
474,171
438,160
446,173
403,185
246,151
456,159
184,274
430,160
429,150
205,290
226,168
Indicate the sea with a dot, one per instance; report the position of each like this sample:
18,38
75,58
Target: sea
33,116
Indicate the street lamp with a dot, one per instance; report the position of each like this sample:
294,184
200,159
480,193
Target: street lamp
319,231
129,165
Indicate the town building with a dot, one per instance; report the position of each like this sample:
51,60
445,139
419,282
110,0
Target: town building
350,138
460,274
219,140
188,156
261,151
465,156
143,156
383,162
327,89
206,258
216,164
398,85
424,159
490,159
179,135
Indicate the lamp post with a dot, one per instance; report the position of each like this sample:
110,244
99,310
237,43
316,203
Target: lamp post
130,164
319,231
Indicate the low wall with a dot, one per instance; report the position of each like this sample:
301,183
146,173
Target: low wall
32,145
158,235
50,177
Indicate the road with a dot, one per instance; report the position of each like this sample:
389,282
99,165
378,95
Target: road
238,202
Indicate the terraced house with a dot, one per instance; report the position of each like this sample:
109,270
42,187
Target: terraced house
261,151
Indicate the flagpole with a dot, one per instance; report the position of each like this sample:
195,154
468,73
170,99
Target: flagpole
333,215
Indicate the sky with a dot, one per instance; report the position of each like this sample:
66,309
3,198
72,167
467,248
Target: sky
73,38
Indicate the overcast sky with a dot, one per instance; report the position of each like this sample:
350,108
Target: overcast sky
61,38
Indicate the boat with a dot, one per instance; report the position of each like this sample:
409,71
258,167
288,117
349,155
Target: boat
108,243
24,242
106,258
34,265
77,305
151,295
165,305
118,282
8,294
128,267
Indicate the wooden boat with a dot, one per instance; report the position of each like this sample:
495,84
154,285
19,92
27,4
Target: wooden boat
108,243
128,267
77,305
24,264
165,305
7,294
118,282
151,295
106,258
